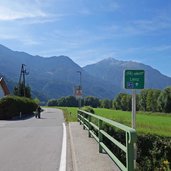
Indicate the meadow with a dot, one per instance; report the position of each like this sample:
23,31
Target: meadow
146,122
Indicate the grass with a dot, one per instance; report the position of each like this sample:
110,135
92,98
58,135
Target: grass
146,122
70,113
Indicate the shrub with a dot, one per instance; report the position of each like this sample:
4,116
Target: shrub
88,109
11,106
153,152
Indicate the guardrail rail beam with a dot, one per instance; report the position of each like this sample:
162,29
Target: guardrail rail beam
94,125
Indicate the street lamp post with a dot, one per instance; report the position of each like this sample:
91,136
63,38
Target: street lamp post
80,78
80,88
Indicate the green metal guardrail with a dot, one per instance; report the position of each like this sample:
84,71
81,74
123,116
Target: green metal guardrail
89,122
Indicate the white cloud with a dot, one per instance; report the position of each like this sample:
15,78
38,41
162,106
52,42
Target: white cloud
138,27
100,7
13,10
160,48
7,37
29,41
109,6
155,24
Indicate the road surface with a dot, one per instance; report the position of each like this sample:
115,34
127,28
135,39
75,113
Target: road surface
32,144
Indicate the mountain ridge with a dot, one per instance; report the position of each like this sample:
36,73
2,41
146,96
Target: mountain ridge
56,76
103,69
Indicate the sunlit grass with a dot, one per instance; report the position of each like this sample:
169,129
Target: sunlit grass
70,113
146,122
151,123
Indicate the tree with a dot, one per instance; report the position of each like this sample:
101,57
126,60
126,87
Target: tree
106,103
27,92
117,101
129,102
36,100
61,101
156,94
164,100
124,102
70,101
22,91
52,102
143,99
91,101
149,100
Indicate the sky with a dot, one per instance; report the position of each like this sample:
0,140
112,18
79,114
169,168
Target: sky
89,31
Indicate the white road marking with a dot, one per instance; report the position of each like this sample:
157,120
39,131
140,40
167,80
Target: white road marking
62,166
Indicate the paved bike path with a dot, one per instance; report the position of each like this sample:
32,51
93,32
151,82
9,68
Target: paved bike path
85,152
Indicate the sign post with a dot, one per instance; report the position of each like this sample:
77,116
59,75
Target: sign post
78,94
134,79
133,109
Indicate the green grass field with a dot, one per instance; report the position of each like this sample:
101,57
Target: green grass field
152,123
148,123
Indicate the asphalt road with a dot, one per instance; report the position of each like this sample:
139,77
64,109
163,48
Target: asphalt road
32,144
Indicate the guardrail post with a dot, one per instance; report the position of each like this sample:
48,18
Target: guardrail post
89,126
100,136
79,116
130,152
83,121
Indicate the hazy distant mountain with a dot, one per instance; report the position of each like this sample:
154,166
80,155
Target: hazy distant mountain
51,77
112,70
55,77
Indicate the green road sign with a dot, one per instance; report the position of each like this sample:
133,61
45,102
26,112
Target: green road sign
134,79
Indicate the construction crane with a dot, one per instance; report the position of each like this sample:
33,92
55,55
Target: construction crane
4,87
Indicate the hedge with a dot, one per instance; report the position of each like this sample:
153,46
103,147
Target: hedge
88,109
11,106
153,151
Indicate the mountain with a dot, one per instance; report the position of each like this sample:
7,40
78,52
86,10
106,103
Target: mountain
112,70
56,76
51,77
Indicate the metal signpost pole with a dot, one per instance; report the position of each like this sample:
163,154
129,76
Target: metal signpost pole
134,109
134,79
134,122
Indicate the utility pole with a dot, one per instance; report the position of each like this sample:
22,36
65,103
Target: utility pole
21,83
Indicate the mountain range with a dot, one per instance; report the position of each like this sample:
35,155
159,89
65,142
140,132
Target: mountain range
56,76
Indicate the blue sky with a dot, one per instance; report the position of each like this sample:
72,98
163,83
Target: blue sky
90,30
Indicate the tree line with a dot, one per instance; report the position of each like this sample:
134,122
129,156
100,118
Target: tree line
152,100
147,100
71,101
